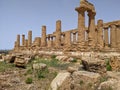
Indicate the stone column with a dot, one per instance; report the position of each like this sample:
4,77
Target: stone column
29,38
58,33
26,43
106,39
74,37
67,38
91,35
18,40
100,42
37,41
15,44
81,27
43,38
113,36
118,36
23,40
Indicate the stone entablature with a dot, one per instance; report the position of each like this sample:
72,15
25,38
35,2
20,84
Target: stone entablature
103,36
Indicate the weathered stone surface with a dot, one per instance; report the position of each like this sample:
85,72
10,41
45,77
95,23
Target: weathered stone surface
20,61
96,65
29,38
9,58
83,80
62,58
113,74
100,41
111,84
115,63
39,66
43,38
61,82
71,69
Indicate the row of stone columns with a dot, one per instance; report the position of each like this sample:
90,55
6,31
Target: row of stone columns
81,27
25,42
114,36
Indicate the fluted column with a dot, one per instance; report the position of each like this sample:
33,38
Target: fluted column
26,43
106,39
37,41
58,34
92,34
18,40
118,36
113,36
23,40
100,42
43,38
81,27
29,38
68,38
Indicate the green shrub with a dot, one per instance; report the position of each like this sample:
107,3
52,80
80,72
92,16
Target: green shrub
53,56
108,66
74,60
42,73
29,80
81,82
103,79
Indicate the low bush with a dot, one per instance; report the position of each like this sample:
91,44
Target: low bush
5,66
29,80
108,66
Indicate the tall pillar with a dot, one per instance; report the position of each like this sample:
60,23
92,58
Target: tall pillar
81,27
26,42
106,40
100,42
118,36
58,33
92,35
68,38
74,37
43,38
37,41
29,38
18,40
23,40
113,36
15,44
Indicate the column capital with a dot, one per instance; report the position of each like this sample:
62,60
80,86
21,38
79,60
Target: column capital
91,14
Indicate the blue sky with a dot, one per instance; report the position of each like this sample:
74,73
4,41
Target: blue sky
20,16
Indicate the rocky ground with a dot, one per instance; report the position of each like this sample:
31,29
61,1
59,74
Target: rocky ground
37,75
42,72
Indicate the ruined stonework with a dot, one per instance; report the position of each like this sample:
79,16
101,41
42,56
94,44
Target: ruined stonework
96,37
29,38
58,33
43,38
23,40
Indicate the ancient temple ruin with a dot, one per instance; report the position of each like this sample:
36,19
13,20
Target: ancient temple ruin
100,37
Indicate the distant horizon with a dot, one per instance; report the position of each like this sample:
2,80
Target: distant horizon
20,16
